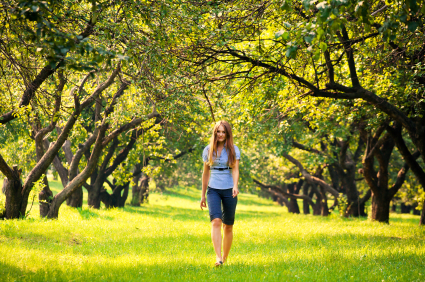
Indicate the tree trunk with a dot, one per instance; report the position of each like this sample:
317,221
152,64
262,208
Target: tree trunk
380,208
124,196
334,174
45,198
313,179
281,201
14,197
415,211
358,208
135,189
93,199
405,208
317,207
355,207
141,192
46,195
292,204
144,190
418,138
324,202
79,179
75,200
3,189
135,200
394,207
94,196
118,197
306,206
362,210
381,149
422,220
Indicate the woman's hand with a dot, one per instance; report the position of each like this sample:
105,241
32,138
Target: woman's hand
235,175
235,191
203,203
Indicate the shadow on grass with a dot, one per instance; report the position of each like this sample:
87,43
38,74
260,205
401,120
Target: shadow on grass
414,219
87,214
192,195
182,194
254,200
184,214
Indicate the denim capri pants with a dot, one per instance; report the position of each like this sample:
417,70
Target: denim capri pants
221,204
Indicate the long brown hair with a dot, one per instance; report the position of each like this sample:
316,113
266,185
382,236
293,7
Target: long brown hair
228,144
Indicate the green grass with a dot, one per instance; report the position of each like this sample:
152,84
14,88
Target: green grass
169,240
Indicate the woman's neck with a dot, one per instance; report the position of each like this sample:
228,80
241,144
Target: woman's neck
220,144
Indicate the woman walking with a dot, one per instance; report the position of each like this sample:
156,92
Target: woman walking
221,174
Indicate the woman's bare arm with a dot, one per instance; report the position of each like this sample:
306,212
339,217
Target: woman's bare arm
235,174
205,179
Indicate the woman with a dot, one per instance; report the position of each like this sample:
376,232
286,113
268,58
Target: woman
221,175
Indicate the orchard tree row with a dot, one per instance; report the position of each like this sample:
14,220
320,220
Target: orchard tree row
342,81
326,98
87,90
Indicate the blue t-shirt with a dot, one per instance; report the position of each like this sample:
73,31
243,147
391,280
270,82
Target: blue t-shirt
221,179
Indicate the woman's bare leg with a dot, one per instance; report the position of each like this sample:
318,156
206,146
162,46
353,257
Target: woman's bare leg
227,240
216,237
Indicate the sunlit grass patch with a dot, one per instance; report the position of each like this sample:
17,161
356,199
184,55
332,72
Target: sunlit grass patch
168,239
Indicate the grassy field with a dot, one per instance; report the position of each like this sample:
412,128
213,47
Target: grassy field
169,240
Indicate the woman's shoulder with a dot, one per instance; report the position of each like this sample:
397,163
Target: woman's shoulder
237,152
206,150
205,153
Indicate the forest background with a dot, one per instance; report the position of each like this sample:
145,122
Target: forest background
326,100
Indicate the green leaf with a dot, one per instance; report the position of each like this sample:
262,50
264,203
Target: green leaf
323,46
316,56
309,38
325,13
320,32
413,5
291,52
412,26
284,34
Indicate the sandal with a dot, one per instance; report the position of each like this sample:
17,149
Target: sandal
218,264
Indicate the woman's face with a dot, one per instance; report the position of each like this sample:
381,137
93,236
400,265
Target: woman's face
221,134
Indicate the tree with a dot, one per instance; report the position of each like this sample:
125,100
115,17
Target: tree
381,148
